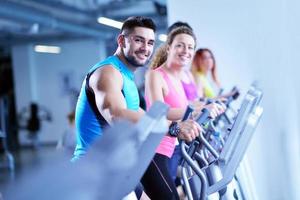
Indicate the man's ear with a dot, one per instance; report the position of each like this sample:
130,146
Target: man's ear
121,41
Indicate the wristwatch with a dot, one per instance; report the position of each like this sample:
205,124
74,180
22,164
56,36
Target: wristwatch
174,129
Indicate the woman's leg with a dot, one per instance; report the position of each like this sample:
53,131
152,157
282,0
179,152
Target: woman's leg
174,162
157,181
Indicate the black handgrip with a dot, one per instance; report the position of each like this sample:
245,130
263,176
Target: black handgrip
236,93
202,99
219,102
209,101
204,116
187,113
220,91
234,96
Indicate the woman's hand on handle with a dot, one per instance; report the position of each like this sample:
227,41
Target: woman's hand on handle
189,130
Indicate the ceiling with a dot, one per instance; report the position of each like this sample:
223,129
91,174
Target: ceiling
24,21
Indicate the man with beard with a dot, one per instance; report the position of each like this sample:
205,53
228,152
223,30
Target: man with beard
109,91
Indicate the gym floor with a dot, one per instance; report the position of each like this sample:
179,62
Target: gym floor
26,160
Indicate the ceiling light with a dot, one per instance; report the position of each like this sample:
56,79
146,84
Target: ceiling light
110,22
47,49
34,29
162,37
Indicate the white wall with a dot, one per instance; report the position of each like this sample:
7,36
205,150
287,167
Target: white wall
258,40
39,77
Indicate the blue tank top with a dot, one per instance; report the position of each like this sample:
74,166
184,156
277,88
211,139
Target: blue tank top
89,122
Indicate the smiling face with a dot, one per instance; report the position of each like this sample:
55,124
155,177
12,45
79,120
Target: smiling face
181,50
138,46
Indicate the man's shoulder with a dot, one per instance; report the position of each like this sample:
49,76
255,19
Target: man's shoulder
107,70
106,77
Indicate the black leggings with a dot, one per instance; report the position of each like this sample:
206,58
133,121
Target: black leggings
157,181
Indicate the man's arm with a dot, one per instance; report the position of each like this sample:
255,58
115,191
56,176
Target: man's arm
107,83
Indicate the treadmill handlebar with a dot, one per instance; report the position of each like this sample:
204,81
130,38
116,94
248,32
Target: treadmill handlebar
234,96
187,113
204,116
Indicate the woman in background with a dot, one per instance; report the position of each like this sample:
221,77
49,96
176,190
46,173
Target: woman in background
67,142
204,66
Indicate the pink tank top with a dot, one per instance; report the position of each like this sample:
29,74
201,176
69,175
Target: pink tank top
174,100
190,90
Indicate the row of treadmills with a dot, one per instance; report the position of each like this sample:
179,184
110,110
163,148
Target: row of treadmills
116,162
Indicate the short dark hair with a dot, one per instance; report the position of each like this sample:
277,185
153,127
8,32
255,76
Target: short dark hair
178,24
137,21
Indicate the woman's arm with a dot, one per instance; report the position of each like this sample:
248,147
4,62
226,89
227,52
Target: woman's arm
156,89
